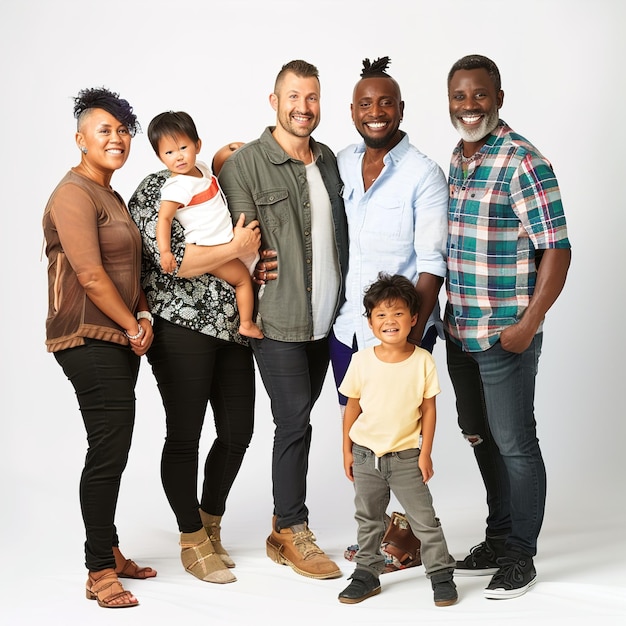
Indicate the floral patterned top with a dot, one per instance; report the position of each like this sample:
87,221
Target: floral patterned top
205,303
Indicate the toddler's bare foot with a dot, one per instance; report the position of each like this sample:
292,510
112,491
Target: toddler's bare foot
250,329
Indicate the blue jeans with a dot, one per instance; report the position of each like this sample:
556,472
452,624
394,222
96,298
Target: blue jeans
399,473
103,375
495,392
293,374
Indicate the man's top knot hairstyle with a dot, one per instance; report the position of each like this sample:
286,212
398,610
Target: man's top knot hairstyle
376,68
109,101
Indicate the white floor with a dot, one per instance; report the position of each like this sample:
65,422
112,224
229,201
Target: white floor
578,580
581,562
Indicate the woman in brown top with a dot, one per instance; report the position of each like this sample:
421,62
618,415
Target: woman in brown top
98,323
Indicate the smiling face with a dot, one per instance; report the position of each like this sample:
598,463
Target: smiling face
297,104
178,153
474,104
377,111
105,139
391,322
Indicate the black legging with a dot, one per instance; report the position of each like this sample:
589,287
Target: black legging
103,375
192,369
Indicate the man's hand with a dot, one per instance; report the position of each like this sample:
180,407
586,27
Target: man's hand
517,337
266,267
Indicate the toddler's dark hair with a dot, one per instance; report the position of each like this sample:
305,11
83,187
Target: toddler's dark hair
389,288
171,124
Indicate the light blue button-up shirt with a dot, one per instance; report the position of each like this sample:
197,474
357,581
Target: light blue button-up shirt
399,226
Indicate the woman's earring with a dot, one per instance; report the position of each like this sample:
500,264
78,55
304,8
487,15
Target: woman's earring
83,150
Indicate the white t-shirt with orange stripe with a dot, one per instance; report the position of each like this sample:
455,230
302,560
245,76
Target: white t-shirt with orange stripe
204,215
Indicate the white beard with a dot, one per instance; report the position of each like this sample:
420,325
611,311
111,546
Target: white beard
486,126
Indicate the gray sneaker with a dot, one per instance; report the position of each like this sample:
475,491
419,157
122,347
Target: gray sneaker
444,589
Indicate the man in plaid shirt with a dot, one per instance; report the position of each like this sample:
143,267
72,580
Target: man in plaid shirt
508,256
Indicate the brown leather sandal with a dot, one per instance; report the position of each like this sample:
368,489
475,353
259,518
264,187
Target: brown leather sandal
130,569
106,589
127,568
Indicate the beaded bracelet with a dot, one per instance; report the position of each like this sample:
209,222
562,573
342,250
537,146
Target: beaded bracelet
133,337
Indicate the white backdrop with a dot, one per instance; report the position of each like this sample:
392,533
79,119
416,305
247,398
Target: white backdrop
562,71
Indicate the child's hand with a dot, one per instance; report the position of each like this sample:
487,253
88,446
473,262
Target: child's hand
168,262
348,460
425,464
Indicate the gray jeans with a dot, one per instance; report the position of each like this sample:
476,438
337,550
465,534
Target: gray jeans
374,480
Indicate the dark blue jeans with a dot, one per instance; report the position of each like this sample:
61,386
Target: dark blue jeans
193,369
495,392
103,375
293,374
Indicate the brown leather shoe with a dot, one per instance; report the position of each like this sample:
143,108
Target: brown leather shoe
296,547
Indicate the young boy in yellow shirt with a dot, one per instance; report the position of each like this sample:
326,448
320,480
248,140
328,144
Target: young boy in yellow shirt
391,391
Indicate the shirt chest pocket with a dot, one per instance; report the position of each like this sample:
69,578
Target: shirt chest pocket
385,218
273,209
470,204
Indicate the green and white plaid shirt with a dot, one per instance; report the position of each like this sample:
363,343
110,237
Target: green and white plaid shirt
504,208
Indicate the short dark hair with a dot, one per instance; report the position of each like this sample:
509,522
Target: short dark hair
475,62
171,124
389,288
299,68
109,101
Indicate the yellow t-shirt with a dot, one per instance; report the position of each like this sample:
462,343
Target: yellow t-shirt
390,395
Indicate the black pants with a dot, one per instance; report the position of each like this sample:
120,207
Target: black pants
103,375
193,369
293,374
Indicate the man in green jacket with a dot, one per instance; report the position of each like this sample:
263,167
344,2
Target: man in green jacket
291,185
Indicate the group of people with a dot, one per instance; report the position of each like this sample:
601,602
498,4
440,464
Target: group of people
359,246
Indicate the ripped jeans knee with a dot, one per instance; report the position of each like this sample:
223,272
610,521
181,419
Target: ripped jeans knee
473,440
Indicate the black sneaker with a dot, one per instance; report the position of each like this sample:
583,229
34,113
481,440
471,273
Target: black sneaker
514,578
482,559
364,585
444,589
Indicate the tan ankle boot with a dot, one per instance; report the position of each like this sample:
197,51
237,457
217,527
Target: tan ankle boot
296,547
199,558
212,526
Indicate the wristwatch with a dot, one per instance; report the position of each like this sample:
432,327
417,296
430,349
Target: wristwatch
145,315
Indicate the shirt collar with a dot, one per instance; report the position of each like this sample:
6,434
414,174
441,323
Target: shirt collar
276,154
394,155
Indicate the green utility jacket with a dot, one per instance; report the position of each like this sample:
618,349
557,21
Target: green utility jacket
262,181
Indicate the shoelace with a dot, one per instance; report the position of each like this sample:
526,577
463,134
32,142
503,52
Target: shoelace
479,550
511,571
305,543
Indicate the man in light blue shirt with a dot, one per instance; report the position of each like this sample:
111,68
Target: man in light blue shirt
396,202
